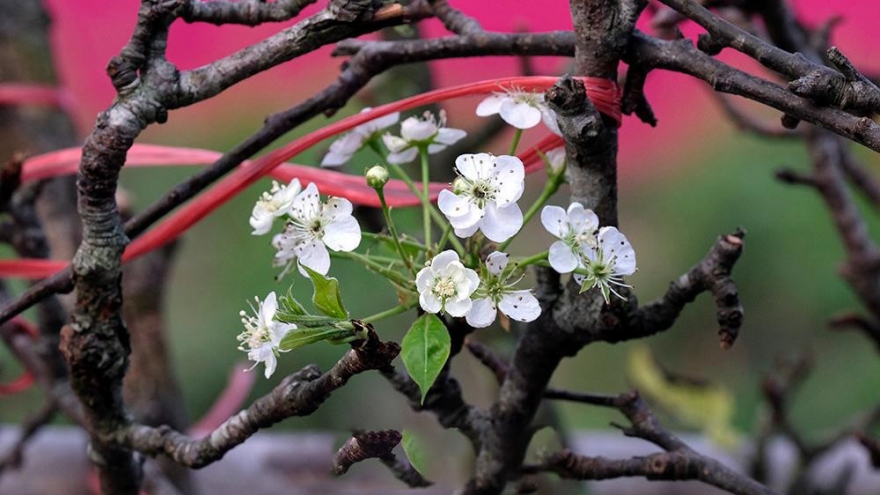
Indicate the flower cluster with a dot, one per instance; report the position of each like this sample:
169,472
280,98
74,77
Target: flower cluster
312,225
458,282
602,255
445,284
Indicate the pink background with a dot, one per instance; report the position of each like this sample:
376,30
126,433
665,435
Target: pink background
87,33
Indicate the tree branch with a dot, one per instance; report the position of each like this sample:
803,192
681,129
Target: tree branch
679,462
250,13
299,394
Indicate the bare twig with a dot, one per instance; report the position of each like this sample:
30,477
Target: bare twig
30,427
679,462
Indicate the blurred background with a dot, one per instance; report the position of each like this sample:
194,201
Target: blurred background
681,185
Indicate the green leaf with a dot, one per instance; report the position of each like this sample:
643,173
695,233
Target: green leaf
327,298
305,336
288,304
414,448
424,350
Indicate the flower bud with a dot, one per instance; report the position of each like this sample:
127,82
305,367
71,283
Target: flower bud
377,176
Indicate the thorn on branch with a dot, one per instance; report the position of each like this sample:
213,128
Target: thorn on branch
790,122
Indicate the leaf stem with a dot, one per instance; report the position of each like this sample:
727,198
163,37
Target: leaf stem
401,308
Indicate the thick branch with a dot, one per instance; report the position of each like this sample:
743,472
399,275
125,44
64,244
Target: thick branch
248,13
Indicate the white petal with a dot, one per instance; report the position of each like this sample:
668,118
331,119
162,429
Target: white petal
395,144
307,204
404,156
520,305
449,136
271,362
582,220
556,159
315,256
520,115
482,313
509,179
267,309
554,219
429,302
436,148
375,125
278,330
474,167
500,224
491,105
472,281
442,261
424,279
615,245
497,262
342,234
336,208
458,308
261,220
549,118
451,204
343,149
417,130
466,231
561,258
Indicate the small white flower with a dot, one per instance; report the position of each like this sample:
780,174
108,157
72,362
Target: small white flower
608,262
315,226
273,204
445,284
576,231
485,196
418,133
521,109
347,145
262,335
498,293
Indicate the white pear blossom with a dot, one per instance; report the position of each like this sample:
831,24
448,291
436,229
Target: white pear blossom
575,228
485,196
347,145
315,226
446,285
608,262
262,335
497,292
273,204
521,109
416,133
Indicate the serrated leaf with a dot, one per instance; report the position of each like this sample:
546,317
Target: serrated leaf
305,336
327,298
424,350
415,450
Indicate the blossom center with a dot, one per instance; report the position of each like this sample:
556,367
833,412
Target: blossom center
254,334
444,288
